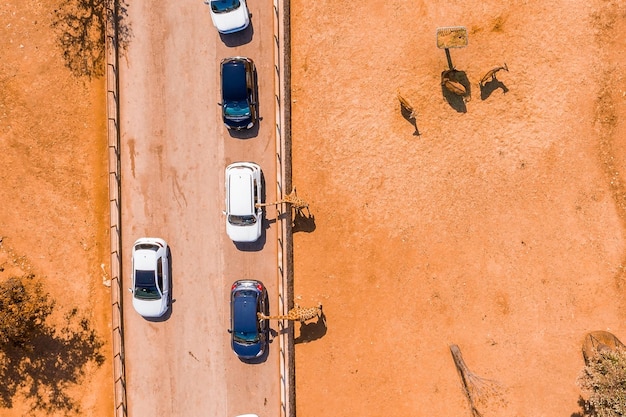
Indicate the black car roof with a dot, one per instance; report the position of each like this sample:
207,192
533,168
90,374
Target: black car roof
234,85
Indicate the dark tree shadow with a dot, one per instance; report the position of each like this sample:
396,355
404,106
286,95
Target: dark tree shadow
491,86
407,114
119,19
583,408
303,222
81,31
312,331
456,101
50,361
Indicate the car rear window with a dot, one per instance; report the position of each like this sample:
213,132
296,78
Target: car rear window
146,246
145,286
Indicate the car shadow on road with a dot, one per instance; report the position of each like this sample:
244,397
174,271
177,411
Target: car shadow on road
312,331
256,246
243,37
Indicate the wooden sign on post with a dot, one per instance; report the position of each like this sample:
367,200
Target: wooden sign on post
451,37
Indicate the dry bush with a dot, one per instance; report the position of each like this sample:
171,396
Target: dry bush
603,380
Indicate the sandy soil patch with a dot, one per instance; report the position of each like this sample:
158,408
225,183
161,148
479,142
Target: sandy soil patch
496,224
54,221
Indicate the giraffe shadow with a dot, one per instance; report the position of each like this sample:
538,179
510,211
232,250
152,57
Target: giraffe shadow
407,114
312,331
491,86
303,222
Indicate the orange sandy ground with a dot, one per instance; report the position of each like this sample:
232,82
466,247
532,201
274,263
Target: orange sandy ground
500,229
53,186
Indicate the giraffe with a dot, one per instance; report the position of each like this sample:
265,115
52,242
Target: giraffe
295,201
301,314
291,198
449,81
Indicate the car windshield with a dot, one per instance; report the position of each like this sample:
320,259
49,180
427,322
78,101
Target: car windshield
241,220
145,286
146,246
237,109
246,337
224,6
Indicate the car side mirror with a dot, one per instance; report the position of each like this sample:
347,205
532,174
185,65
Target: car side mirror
219,104
131,290
230,331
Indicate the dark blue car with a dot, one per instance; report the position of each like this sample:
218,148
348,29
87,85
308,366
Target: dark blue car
238,79
249,334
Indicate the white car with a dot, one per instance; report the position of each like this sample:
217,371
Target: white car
150,276
229,16
243,194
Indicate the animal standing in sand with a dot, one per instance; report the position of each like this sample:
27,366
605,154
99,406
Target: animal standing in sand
407,106
491,75
452,85
450,82
298,313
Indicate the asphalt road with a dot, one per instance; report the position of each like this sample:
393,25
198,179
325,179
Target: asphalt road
173,153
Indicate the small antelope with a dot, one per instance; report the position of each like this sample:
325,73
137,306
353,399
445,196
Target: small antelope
405,103
491,74
452,85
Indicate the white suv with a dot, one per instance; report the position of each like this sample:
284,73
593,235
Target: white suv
243,194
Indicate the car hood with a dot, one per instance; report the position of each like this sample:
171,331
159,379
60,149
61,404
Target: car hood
248,351
233,21
249,233
150,308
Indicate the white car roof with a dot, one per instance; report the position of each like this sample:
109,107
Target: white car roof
241,191
145,259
